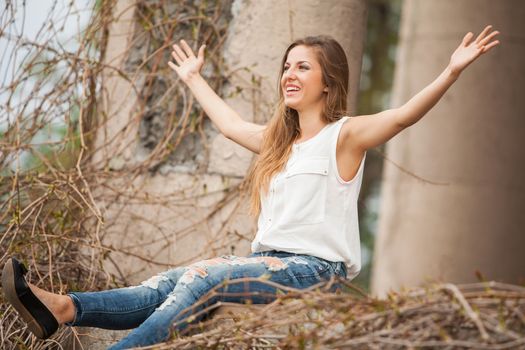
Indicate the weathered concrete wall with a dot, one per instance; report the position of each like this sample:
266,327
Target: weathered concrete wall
470,145
158,214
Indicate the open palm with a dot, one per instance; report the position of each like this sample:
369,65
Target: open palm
188,64
468,51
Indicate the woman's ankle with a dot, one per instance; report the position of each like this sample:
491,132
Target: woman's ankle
67,312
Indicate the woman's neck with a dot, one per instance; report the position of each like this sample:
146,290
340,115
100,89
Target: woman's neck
310,124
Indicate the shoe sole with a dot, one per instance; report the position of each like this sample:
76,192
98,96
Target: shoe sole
8,284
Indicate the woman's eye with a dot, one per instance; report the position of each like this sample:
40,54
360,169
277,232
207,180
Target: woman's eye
301,67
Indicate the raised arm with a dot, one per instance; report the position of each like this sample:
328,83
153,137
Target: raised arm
229,123
368,131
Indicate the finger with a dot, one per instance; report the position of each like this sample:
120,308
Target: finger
176,57
490,46
483,33
466,38
201,51
488,38
179,52
173,66
187,48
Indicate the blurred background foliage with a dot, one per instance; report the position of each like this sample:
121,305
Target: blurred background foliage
377,73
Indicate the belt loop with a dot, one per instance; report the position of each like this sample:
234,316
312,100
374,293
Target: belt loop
345,270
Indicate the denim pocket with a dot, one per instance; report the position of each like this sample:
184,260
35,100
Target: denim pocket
307,266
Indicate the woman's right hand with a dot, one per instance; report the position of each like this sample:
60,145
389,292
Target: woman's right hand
188,64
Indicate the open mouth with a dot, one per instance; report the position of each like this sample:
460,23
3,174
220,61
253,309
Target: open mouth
291,92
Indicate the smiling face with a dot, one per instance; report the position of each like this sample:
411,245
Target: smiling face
302,71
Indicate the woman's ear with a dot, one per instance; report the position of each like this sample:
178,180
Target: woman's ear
325,89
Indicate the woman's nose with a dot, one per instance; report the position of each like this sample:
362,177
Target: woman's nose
288,74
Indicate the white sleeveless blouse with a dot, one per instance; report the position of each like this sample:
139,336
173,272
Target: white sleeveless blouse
309,208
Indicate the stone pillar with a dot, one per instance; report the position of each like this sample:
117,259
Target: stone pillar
463,211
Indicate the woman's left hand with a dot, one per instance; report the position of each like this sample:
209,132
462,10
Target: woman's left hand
468,51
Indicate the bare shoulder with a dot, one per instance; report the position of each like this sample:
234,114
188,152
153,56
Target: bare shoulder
347,134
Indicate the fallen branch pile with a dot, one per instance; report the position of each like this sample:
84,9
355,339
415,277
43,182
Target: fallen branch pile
488,315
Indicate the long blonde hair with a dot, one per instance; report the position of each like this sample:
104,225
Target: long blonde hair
283,128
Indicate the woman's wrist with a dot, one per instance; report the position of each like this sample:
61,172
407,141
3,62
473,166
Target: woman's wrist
451,73
192,79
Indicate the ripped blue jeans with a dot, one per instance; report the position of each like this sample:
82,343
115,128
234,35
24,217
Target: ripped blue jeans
153,307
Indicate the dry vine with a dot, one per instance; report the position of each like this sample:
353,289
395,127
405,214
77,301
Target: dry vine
55,188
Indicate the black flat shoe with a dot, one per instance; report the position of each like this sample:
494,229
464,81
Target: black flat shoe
40,321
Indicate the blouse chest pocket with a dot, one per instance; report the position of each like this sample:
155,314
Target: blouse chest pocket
305,188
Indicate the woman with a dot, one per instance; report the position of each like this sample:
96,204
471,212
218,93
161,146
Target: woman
304,188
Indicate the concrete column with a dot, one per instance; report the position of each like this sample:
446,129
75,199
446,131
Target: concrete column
462,212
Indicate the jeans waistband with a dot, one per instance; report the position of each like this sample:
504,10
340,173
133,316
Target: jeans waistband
279,253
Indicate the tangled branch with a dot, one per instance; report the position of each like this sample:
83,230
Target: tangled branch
488,315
